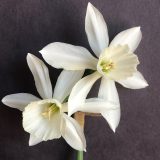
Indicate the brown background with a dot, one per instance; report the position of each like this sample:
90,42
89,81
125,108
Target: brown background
28,25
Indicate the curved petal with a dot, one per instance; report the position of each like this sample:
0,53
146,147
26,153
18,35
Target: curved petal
65,83
96,30
109,92
80,92
73,133
96,105
137,81
69,57
33,140
131,37
19,100
34,122
41,76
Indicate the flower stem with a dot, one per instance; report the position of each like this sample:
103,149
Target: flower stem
79,155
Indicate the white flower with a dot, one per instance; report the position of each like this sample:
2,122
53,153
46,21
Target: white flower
115,63
45,119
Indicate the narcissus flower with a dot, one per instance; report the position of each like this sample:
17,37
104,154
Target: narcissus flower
46,119
115,62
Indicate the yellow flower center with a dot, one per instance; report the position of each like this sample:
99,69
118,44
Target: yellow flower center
107,66
50,110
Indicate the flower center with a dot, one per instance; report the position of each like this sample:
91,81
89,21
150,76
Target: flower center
107,66
50,110
117,62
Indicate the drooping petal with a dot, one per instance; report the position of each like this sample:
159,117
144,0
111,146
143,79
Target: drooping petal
65,83
33,140
137,81
73,133
80,92
96,30
96,105
109,92
69,57
41,76
131,37
34,121
19,100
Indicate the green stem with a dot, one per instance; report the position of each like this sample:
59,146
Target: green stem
79,155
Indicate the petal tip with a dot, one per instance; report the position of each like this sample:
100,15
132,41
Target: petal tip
3,100
89,4
114,130
29,55
138,27
30,144
41,51
146,84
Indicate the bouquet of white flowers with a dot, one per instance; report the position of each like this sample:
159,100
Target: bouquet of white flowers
49,117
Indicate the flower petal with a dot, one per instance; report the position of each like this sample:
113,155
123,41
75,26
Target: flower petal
19,100
80,92
65,83
73,133
131,37
41,76
33,140
137,81
69,57
96,105
96,30
35,123
109,92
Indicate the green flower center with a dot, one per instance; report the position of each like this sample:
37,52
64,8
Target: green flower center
50,110
107,66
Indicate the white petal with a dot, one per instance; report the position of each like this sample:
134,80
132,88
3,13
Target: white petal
41,76
96,105
80,92
33,140
131,37
137,81
19,100
65,83
109,92
69,57
73,133
35,123
96,30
